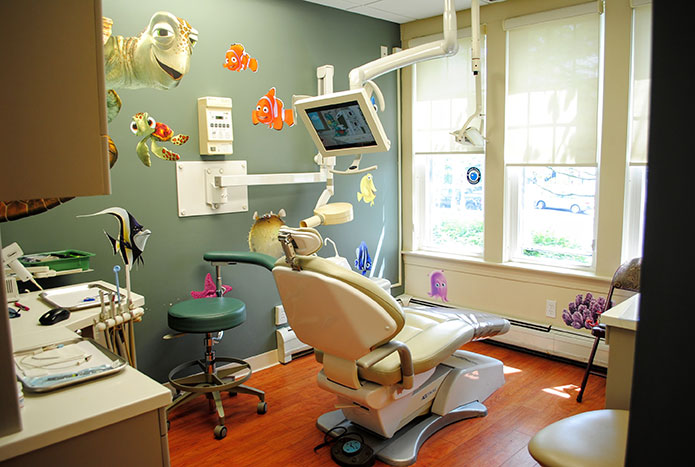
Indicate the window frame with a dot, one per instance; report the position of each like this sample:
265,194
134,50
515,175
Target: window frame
512,208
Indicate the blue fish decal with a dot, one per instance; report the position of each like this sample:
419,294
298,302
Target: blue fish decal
364,261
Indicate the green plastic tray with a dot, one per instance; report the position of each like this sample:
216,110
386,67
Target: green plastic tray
58,260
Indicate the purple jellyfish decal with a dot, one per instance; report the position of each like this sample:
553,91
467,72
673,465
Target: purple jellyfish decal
438,285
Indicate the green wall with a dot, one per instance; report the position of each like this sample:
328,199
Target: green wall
290,38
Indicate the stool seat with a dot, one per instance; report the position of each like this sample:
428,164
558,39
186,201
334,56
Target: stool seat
595,438
210,314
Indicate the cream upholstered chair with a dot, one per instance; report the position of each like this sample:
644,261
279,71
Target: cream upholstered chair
590,439
387,364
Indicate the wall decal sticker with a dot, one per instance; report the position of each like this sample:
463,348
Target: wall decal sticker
237,59
150,129
367,190
438,285
270,112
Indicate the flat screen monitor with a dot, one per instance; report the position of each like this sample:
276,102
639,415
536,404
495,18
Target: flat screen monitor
343,123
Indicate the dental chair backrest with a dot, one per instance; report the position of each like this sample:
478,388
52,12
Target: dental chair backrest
337,311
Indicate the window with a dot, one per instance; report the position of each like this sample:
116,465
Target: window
551,137
556,209
448,176
639,131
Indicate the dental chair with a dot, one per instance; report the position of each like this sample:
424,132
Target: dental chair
396,370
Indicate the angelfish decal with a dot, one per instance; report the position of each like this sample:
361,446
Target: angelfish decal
132,236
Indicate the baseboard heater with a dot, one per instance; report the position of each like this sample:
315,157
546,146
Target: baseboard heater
289,346
559,343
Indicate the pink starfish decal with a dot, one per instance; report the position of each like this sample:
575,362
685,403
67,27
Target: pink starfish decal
210,289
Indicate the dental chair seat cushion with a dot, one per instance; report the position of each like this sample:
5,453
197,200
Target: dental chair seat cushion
595,438
211,314
431,337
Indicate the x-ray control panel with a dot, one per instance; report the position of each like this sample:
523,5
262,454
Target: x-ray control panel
215,125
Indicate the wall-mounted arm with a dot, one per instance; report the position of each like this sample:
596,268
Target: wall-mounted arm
442,48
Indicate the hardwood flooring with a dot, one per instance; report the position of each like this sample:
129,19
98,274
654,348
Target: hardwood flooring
537,392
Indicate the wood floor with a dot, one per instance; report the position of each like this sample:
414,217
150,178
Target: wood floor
537,392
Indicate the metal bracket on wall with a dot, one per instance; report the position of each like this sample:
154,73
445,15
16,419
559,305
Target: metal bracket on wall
199,194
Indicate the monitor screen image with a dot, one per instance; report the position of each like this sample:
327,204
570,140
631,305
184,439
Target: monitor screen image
341,126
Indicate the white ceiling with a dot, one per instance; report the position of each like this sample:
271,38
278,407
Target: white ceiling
397,11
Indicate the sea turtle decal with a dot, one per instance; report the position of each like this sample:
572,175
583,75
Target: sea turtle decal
147,127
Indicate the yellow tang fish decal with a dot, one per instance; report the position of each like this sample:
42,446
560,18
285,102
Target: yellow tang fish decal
367,190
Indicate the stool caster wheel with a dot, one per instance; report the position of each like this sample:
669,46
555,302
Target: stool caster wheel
262,407
220,431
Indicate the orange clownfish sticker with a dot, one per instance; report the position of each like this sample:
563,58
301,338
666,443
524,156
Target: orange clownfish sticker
236,59
269,111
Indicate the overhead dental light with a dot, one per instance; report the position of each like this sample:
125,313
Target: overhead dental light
470,135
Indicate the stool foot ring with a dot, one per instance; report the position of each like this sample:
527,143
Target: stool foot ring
229,378
211,382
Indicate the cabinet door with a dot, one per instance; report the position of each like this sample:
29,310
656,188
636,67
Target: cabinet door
53,113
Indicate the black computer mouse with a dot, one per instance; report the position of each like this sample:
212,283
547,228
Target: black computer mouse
53,316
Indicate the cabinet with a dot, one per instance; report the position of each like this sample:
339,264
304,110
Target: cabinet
53,110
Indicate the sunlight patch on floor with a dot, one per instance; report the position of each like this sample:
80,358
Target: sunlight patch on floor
566,391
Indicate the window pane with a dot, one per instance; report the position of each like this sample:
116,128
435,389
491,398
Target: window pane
452,203
556,215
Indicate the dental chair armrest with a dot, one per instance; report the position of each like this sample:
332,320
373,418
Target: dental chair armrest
380,353
249,257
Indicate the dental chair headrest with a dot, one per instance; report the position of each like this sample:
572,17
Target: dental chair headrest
305,240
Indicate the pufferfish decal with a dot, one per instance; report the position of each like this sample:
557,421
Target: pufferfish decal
438,285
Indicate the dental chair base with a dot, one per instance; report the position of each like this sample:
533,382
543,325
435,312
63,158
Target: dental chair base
451,392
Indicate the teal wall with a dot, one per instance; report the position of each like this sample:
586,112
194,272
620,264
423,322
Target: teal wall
290,38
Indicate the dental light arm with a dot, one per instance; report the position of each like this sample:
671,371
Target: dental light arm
469,134
442,48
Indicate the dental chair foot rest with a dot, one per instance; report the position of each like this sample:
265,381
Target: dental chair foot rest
403,447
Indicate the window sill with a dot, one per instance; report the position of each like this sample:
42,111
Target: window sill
526,272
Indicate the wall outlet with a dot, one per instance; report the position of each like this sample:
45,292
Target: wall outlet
550,306
280,316
384,51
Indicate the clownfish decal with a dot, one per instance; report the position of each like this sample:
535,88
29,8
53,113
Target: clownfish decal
236,59
270,111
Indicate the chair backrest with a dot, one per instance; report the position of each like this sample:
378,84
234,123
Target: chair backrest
626,277
335,310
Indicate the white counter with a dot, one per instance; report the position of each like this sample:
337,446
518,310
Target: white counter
621,328
625,315
128,404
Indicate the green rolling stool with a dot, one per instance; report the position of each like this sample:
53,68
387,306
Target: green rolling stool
212,316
